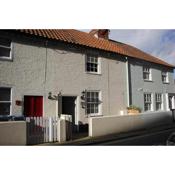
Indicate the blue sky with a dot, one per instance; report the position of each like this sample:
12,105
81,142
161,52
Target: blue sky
160,43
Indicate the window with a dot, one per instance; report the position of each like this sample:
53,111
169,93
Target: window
171,101
92,102
146,73
158,102
5,48
148,101
5,101
92,64
164,77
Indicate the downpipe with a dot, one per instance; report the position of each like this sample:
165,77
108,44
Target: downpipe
173,114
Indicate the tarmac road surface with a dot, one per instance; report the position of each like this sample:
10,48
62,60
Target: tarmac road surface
156,138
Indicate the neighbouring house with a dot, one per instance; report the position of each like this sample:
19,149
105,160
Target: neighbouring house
150,80
151,86
52,72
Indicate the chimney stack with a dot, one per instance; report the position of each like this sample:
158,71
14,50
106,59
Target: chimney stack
100,33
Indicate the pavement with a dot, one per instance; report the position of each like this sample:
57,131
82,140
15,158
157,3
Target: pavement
85,140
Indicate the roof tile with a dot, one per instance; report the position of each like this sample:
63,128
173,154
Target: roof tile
86,39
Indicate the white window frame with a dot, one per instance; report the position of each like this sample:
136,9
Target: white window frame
172,96
6,47
159,100
147,70
148,102
99,104
98,64
8,101
165,73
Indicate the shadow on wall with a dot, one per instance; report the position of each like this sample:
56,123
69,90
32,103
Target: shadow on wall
83,127
36,133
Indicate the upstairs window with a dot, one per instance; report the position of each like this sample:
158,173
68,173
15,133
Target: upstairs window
148,102
92,64
147,73
5,48
158,102
165,77
5,101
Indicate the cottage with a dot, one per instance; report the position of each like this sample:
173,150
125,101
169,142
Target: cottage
150,81
52,72
48,72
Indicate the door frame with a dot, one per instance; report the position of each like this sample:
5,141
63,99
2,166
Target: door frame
172,96
77,107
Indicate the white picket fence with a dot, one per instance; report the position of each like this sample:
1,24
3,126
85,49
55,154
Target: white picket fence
42,130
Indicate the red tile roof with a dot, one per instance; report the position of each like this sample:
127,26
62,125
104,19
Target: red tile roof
85,39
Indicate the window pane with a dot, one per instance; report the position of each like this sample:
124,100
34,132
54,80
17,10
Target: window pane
5,94
4,108
92,102
88,94
149,106
165,76
146,73
92,59
91,69
88,109
146,107
147,102
5,42
158,106
4,52
96,60
92,64
96,108
92,108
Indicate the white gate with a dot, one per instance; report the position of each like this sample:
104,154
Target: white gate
41,130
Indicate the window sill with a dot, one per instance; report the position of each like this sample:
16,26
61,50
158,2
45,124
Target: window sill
93,73
6,59
148,80
95,115
166,82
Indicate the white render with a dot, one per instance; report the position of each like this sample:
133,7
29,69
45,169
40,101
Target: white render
139,86
36,69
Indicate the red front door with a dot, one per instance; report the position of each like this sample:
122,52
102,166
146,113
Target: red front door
33,106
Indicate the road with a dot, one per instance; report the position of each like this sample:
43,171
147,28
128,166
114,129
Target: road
156,138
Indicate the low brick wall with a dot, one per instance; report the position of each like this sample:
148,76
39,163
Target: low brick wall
13,133
99,126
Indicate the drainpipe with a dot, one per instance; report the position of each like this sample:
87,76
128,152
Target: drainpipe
173,108
127,82
173,114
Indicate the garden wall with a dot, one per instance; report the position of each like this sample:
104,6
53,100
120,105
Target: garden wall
99,126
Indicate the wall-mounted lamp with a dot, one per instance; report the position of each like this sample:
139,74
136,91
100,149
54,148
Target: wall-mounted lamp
50,95
53,97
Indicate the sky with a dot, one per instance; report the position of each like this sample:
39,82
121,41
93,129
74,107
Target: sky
159,43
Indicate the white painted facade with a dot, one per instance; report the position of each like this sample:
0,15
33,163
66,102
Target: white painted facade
37,69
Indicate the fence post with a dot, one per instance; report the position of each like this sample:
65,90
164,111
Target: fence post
61,130
50,130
